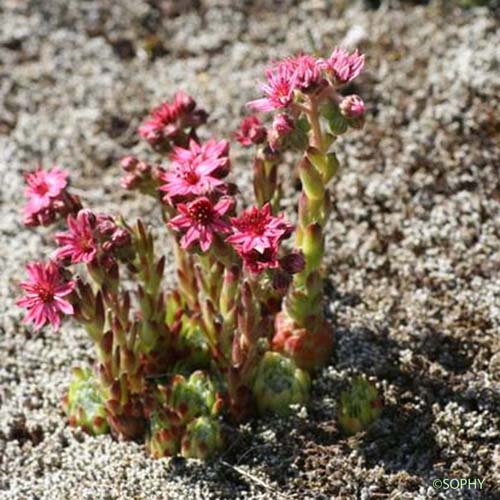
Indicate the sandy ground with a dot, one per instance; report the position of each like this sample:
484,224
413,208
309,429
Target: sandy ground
413,248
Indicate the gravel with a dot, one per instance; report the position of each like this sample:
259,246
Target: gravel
413,247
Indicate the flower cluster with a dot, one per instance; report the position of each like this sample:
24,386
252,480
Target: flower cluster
168,122
90,237
196,188
251,131
47,198
341,66
244,328
140,175
306,74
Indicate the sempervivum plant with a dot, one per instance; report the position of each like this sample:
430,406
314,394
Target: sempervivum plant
242,329
360,406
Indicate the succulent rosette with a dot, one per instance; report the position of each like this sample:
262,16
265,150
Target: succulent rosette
202,438
84,403
194,396
279,383
164,436
360,406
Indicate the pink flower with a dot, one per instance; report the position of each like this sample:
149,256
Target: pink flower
212,151
283,124
281,82
48,198
307,73
44,217
189,180
44,291
200,220
197,171
168,120
251,131
162,122
43,186
256,229
342,66
78,243
352,106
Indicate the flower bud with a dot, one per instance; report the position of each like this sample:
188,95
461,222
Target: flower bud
279,384
202,439
281,282
352,106
121,238
128,163
143,168
197,117
251,131
130,181
293,262
283,124
184,102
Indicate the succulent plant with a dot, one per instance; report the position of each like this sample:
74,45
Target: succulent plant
207,390
360,406
309,350
202,438
279,383
235,279
84,403
164,436
193,397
